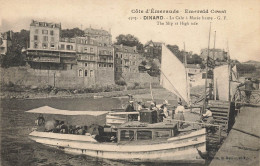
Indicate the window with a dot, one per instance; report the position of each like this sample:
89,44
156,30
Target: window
69,47
35,37
52,39
116,55
45,32
62,47
86,42
121,55
71,66
86,64
86,73
86,49
52,45
51,32
44,45
36,31
80,73
105,65
45,38
91,58
91,73
35,45
99,65
121,61
109,65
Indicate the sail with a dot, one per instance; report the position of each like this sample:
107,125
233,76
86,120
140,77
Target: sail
221,82
234,73
173,75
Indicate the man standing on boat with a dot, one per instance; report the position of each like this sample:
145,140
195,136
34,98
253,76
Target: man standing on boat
130,108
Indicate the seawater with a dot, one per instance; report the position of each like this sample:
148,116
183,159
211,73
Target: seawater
18,150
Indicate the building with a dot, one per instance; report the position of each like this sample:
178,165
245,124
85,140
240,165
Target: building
84,61
219,54
5,42
193,69
153,49
44,35
127,60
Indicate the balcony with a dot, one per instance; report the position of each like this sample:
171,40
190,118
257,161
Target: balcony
50,60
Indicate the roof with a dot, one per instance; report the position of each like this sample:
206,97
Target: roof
50,110
122,48
96,31
155,44
45,24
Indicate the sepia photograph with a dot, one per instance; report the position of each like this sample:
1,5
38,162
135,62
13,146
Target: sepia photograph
128,82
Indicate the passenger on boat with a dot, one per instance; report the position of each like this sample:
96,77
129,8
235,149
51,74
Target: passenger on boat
51,125
130,107
179,114
139,106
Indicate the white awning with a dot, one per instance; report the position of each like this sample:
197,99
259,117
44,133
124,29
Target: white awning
50,110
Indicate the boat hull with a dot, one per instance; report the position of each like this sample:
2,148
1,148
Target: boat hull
178,150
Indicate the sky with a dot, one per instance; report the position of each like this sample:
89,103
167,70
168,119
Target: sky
239,32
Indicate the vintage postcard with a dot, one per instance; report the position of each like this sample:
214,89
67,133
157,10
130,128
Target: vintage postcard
128,82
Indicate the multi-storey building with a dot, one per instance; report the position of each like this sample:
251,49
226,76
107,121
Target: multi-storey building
153,49
219,54
126,61
82,59
44,35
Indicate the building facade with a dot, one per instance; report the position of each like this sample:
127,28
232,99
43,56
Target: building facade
153,49
83,60
219,54
127,60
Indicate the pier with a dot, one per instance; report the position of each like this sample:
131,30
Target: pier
241,147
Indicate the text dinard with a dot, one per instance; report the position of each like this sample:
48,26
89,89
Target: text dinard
152,10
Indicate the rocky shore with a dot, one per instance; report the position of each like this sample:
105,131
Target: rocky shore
34,94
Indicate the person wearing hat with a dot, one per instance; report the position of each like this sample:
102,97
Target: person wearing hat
248,88
179,114
130,107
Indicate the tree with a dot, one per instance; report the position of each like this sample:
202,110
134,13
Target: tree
129,40
14,55
70,33
175,50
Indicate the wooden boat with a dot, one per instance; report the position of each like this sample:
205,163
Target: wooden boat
136,141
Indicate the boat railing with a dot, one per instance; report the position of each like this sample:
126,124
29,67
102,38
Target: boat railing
219,127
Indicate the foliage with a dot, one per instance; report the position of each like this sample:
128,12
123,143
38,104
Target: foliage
129,40
246,68
154,70
191,58
72,32
14,56
120,82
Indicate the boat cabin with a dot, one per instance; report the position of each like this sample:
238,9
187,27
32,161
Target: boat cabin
138,131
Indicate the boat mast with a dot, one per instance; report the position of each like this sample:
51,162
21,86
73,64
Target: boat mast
206,77
229,73
214,94
185,64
